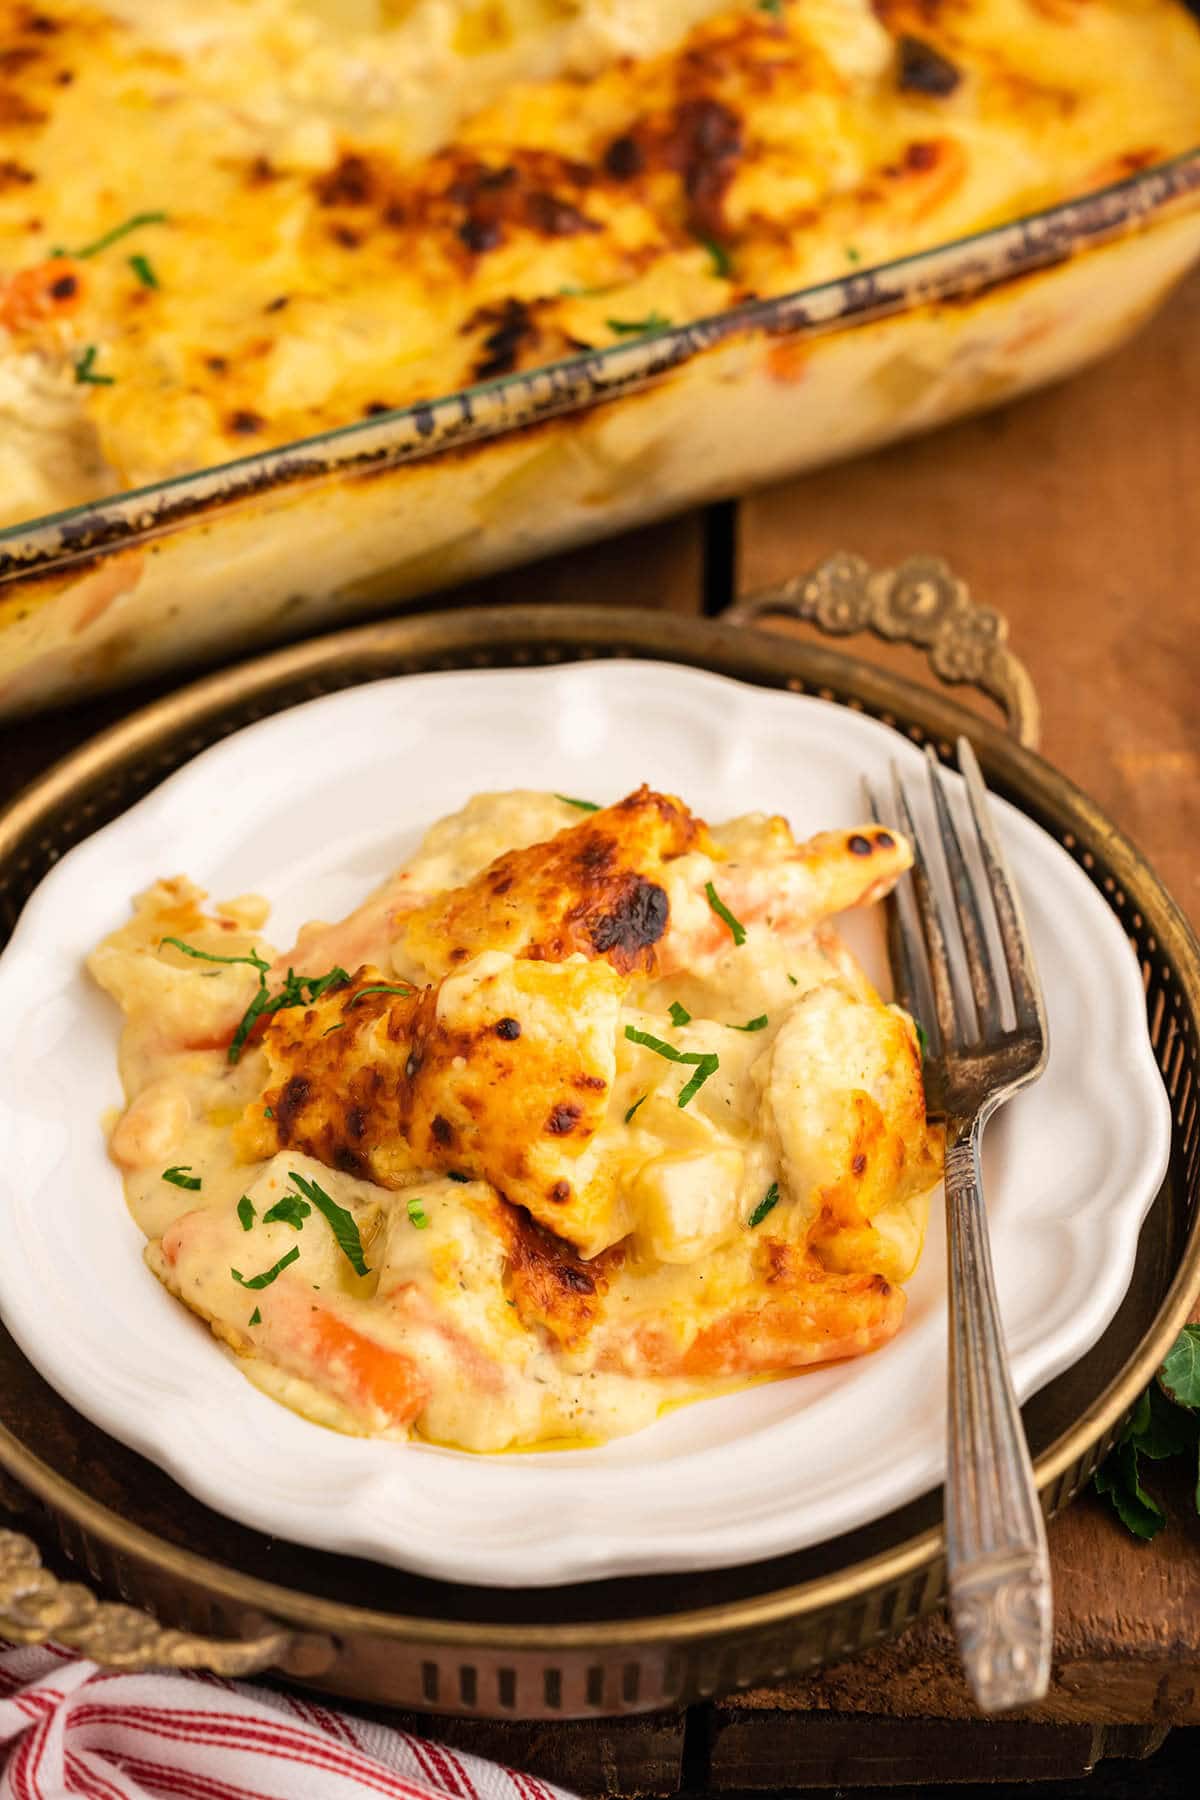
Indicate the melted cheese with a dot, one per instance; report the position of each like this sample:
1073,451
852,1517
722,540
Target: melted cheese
373,204
568,1202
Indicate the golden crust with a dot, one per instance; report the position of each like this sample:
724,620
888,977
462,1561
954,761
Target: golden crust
502,1073
327,259
590,891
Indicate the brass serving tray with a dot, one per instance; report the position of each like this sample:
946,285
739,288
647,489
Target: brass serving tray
201,1591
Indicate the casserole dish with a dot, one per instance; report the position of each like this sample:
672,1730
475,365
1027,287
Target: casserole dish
531,459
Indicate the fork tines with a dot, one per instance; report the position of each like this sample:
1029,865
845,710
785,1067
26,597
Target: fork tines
961,933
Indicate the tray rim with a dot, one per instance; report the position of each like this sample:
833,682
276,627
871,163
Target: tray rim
597,631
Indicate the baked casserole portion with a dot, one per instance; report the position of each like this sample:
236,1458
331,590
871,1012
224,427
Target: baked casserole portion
575,1118
227,226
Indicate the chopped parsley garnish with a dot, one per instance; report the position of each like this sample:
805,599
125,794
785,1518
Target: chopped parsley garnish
719,257
639,1102
853,255
758,1024
182,1177
793,981
268,1112
706,1062
680,1014
253,960
114,236
291,1210
297,990
637,327
659,1047
378,987
705,1066
268,1275
245,1212
143,270
256,1317
583,805
767,1204
340,1222
736,927
922,1037
774,7
329,1029
417,1215
85,371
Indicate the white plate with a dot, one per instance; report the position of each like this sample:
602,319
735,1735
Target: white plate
314,806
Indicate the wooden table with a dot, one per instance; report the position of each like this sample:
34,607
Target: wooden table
1077,514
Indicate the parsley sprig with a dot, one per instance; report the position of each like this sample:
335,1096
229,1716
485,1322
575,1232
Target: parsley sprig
737,929
1164,1423
85,368
583,805
718,255
768,1203
134,223
297,990
268,1275
181,1177
376,987
706,1061
291,1210
340,1222
654,321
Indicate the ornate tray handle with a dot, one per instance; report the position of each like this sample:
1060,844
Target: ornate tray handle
35,1606
921,602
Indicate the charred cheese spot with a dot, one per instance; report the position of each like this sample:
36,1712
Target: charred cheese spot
563,1119
553,1288
589,890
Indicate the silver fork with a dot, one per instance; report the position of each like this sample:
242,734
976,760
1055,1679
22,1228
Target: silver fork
998,1568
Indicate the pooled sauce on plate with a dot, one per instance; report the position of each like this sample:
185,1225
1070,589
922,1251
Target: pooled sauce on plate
586,1112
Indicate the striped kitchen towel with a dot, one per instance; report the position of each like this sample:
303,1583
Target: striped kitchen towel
68,1727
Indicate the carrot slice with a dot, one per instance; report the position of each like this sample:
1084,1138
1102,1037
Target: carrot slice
372,1375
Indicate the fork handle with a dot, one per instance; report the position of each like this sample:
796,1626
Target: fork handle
997,1562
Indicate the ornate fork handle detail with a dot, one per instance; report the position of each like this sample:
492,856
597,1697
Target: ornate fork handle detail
998,1565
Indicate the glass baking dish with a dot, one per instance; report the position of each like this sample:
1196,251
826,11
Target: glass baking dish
333,527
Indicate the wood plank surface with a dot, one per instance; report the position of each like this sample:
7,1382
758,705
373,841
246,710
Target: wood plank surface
1075,512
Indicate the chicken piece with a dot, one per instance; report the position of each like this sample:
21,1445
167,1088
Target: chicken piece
173,1001
767,882
842,1096
452,852
594,889
503,1071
